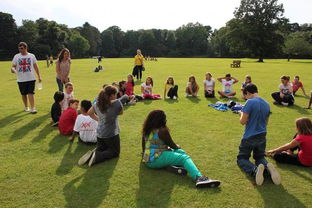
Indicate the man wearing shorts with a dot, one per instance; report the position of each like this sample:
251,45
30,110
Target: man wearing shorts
24,64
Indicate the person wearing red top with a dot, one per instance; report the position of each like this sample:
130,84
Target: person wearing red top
303,140
130,88
297,84
68,118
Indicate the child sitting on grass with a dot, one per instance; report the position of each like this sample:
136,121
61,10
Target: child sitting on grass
160,151
56,109
244,84
147,90
209,86
285,95
192,87
68,118
130,88
171,90
227,83
296,85
85,126
302,142
68,94
122,92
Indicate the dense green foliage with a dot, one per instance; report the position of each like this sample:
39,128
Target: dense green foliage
39,167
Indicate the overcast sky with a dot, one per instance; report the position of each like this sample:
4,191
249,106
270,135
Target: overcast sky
161,14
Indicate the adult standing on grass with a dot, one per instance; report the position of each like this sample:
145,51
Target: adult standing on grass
255,116
24,64
138,65
63,68
106,111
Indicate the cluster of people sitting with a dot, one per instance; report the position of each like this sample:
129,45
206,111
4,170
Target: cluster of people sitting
149,58
97,122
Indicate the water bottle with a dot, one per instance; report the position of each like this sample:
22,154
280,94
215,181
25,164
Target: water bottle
40,86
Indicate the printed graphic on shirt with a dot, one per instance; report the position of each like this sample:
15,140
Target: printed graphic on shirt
24,65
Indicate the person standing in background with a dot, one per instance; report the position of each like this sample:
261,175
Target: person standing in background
63,68
138,65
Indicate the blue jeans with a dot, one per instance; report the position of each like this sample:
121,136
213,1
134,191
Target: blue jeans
60,84
255,144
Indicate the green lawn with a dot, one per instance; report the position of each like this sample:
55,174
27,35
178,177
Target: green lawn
39,167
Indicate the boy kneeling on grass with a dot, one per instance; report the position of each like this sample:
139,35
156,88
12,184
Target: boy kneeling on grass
68,118
85,126
255,116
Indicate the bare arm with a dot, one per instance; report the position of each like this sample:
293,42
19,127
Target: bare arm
92,114
142,90
220,79
235,80
37,71
304,91
164,135
243,118
292,144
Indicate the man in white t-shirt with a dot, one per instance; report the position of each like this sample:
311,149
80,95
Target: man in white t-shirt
227,83
85,126
23,65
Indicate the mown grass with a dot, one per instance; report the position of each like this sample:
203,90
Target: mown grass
39,167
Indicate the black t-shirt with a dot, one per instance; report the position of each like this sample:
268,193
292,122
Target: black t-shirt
56,111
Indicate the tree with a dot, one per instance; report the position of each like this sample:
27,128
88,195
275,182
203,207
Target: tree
108,47
78,45
147,43
130,43
297,45
8,36
256,27
92,34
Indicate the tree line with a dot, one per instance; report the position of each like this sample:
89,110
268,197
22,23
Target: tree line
258,30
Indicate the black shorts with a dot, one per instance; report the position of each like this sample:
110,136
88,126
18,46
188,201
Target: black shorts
27,87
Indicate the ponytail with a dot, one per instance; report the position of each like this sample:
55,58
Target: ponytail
103,101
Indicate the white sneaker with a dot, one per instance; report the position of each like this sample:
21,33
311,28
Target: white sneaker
174,97
276,178
33,111
132,102
85,157
27,109
284,104
259,174
92,160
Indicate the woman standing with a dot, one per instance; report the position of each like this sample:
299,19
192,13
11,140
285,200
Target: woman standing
138,65
63,68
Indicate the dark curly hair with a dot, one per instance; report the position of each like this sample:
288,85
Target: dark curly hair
155,119
103,101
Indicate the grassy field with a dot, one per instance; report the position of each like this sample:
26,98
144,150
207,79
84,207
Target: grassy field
39,167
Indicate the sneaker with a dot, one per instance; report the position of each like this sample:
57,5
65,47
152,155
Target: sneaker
276,178
92,160
177,170
33,111
284,104
132,102
204,182
259,175
275,103
54,124
85,157
174,97
27,109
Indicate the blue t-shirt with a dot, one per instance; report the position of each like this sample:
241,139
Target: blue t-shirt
258,110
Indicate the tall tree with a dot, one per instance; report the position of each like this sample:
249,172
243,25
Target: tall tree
92,34
257,27
78,45
8,36
297,45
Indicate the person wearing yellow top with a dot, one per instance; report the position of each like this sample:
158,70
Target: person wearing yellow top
171,90
138,65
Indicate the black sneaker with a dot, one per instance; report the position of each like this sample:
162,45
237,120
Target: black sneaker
204,182
177,170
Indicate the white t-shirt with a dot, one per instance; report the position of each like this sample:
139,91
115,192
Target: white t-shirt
86,127
146,88
67,97
209,84
285,89
227,85
25,67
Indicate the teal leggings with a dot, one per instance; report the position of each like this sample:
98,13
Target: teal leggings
178,158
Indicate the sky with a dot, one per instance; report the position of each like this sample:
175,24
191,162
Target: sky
134,15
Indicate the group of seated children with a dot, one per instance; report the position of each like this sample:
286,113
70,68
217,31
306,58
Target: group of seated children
64,113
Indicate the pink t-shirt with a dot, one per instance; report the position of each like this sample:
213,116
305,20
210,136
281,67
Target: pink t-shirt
296,86
305,153
129,89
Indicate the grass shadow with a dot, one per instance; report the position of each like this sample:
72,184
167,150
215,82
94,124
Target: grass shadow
57,143
44,132
138,82
90,189
70,158
212,100
11,118
193,99
147,101
30,126
300,109
171,101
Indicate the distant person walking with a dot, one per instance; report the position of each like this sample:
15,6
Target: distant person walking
24,64
138,65
51,60
63,68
